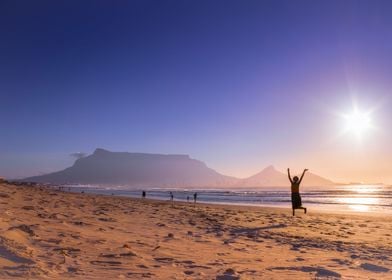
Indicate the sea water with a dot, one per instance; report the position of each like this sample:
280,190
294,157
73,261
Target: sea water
355,198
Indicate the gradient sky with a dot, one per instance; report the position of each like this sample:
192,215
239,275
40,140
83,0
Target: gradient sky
237,84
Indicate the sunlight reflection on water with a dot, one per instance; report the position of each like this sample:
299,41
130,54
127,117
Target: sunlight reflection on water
359,203
364,188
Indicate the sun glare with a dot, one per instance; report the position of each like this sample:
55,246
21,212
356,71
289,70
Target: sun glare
362,204
357,122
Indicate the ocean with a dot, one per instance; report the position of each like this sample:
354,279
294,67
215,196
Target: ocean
353,198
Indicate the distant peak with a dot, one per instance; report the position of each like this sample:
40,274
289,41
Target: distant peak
100,151
270,167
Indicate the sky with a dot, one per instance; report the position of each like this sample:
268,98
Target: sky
237,84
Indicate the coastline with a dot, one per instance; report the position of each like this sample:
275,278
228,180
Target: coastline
236,198
50,234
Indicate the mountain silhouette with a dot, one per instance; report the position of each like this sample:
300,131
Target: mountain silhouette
271,177
158,170
135,169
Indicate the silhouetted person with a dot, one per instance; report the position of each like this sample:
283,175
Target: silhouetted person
187,198
295,196
171,196
143,194
195,197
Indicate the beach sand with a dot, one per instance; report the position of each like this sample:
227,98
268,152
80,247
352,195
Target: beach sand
49,234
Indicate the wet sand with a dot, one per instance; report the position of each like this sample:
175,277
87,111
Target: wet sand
49,234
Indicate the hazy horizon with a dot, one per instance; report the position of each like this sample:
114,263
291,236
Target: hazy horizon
294,171
237,85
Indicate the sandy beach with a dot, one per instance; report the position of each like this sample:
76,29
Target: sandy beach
50,234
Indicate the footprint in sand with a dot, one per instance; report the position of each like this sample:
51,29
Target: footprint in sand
10,256
24,228
142,266
72,269
216,263
143,274
80,223
106,263
374,268
198,266
341,262
229,274
67,250
164,260
107,219
320,271
53,240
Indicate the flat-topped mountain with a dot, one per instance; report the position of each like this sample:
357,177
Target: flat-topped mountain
136,169
158,170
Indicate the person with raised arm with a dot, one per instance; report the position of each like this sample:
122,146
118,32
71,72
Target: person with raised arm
295,196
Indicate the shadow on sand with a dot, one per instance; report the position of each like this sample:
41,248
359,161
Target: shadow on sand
254,231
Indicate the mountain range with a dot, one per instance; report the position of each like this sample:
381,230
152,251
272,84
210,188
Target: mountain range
158,170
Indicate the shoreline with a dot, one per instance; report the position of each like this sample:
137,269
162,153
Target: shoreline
51,234
314,207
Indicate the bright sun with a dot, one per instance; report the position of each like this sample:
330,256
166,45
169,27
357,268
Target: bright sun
357,122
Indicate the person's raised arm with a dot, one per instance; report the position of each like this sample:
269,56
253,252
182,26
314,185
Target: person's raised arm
288,173
302,176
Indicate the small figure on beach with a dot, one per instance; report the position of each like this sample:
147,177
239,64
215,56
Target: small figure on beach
187,198
171,196
144,194
195,197
295,196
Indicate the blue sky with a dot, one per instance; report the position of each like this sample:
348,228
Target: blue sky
237,84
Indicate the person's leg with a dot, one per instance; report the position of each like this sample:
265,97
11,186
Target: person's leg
304,208
293,211
300,204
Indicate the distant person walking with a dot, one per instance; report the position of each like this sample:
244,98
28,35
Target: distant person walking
144,194
187,198
195,197
295,196
171,196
